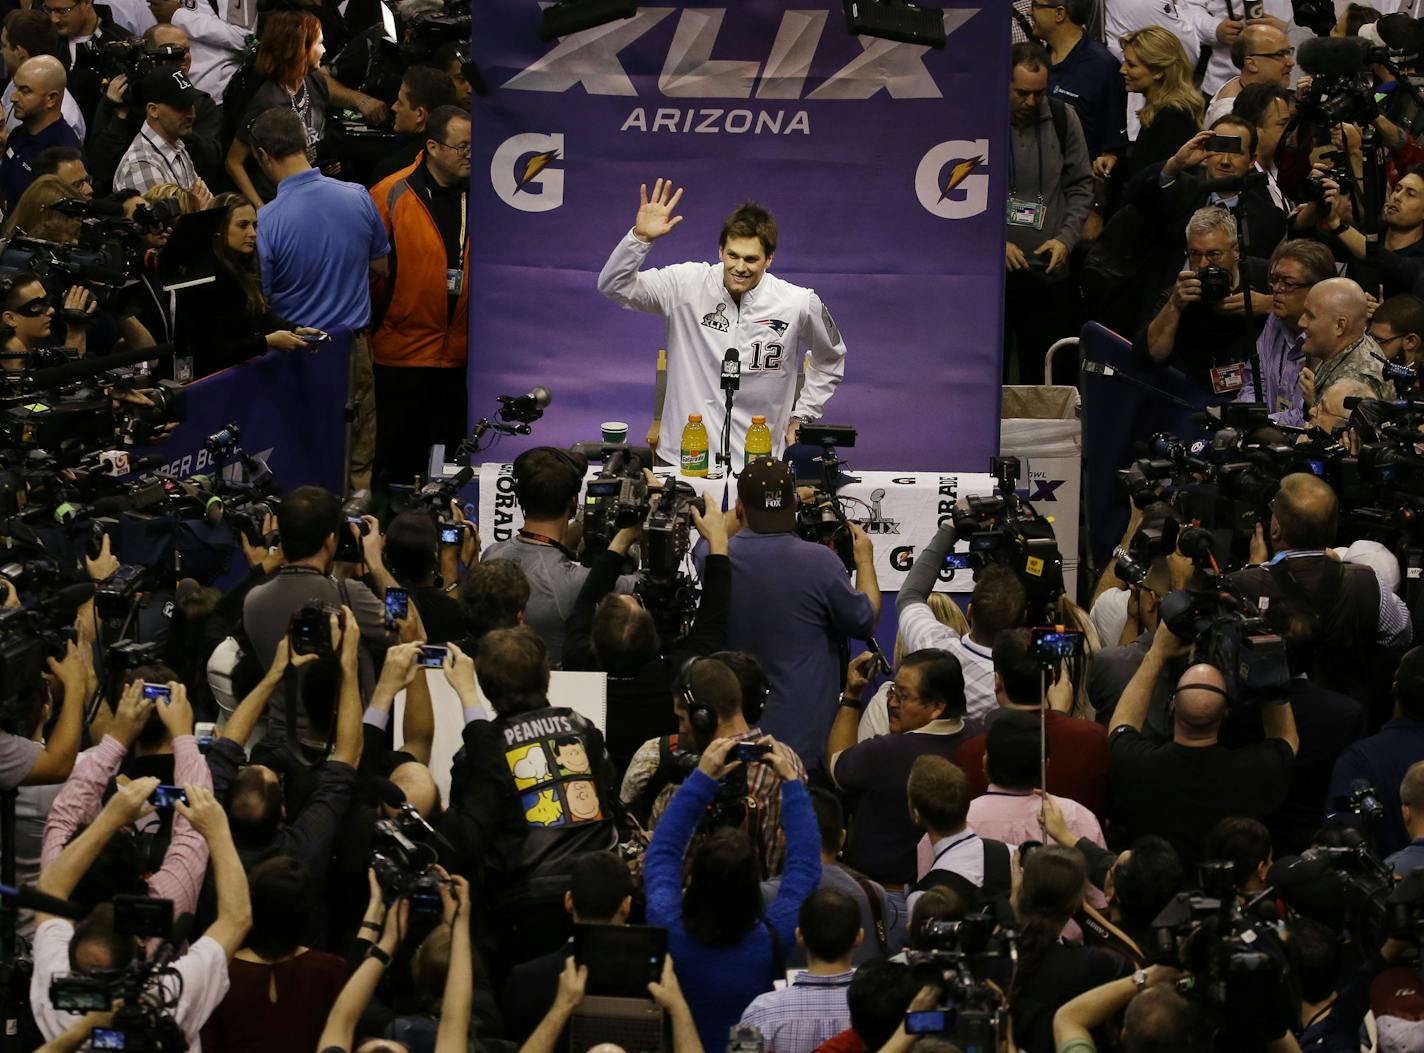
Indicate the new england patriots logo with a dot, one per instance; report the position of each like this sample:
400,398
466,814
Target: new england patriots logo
776,324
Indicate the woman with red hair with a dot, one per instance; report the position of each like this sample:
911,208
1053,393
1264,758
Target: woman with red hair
289,61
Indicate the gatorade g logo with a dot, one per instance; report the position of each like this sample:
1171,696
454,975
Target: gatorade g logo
523,173
952,181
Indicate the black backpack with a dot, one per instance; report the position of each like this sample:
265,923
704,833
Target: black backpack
998,879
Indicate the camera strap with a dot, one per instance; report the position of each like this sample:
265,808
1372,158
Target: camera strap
877,909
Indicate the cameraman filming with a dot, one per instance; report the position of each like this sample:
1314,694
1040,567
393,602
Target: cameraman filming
547,482
1203,326
1350,613
1151,780
616,634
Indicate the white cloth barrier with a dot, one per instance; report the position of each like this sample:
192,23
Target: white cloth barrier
899,510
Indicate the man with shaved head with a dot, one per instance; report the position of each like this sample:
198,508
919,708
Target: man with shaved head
1314,598
1180,788
39,94
1336,342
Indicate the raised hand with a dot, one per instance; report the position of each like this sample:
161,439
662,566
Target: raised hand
655,214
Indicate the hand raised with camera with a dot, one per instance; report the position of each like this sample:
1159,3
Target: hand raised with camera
711,523
129,803
177,712
396,924
105,565
779,759
715,763
1192,153
346,637
861,544
454,899
572,982
371,542
459,670
80,299
400,668
204,812
858,675
655,214
469,535
1168,644
283,657
411,629
117,92
666,991
73,671
131,714
1187,290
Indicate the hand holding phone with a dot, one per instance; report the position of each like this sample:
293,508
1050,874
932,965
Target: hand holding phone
158,693
432,656
397,606
164,796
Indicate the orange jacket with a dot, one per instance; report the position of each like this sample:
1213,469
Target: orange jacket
412,324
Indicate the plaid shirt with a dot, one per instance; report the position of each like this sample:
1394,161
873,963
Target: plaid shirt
150,162
763,786
801,1017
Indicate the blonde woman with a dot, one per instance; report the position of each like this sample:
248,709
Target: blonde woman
1155,65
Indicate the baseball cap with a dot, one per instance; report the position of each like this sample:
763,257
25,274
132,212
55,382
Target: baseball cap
768,495
169,86
1375,556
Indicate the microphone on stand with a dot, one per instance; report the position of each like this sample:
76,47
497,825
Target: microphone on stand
731,383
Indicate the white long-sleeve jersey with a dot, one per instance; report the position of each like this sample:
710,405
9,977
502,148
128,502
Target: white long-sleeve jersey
769,329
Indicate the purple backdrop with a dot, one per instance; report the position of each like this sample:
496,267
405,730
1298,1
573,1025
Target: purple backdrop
849,141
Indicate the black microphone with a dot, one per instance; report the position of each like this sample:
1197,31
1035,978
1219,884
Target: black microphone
90,367
525,408
731,370
1333,56
79,208
182,929
391,795
28,898
1402,35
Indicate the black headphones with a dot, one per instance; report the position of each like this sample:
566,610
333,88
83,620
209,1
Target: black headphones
702,717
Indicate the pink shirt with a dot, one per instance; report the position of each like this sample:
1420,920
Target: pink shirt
181,876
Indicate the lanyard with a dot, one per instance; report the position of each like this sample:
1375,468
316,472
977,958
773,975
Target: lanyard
460,263
1013,164
949,848
543,539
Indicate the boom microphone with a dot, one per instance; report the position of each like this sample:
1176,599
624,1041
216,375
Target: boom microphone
91,367
28,898
1402,35
1333,56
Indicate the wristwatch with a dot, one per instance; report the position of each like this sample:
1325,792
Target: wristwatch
1139,980
851,702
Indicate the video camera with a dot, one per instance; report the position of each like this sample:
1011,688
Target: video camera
1227,628
404,865
1005,529
424,34
132,58
619,496
148,988
971,1012
1235,976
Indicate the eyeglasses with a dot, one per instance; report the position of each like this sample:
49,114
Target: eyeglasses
1382,340
1288,284
1285,53
463,149
36,308
50,9
1214,256
899,694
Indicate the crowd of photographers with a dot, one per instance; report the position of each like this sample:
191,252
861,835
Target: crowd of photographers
341,804
140,142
